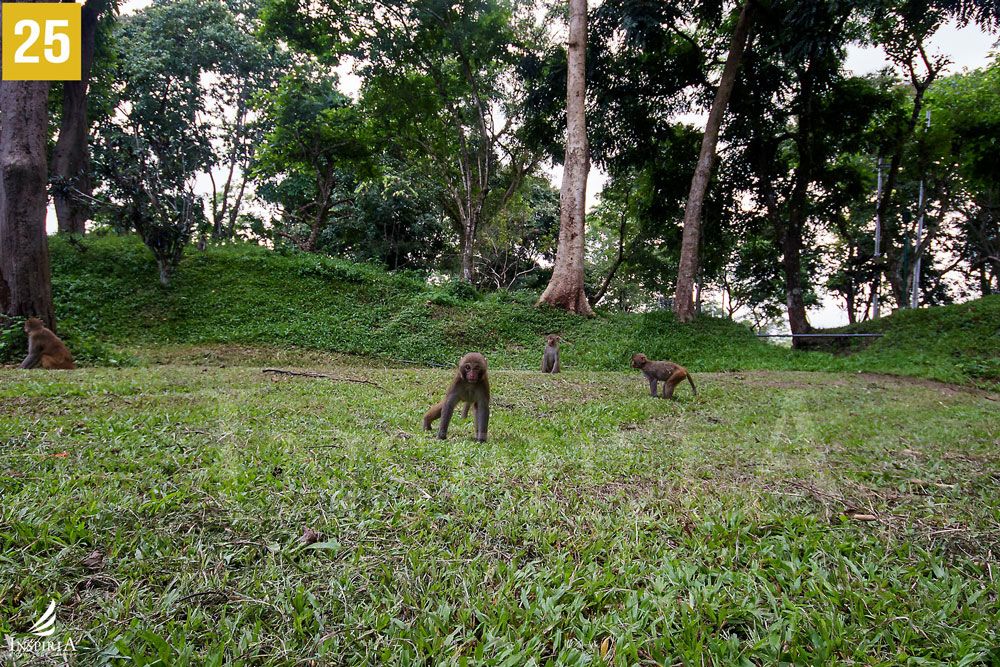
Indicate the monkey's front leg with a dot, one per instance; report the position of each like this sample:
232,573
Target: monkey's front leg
446,411
482,419
652,387
33,359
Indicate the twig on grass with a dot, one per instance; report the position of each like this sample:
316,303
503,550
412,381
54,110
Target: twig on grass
310,374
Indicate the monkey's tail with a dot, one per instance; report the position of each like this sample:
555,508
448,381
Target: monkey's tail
432,415
692,385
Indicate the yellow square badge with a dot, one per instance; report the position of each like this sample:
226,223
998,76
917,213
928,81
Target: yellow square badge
41,41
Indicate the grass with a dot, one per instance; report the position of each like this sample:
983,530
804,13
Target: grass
596,524
113,312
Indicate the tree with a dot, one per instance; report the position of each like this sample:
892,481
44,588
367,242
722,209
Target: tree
254,67
683,297
514,244
565,289
318,145
966,109
795,114
443,83
151,148
903,28
70,171
394,221
25,279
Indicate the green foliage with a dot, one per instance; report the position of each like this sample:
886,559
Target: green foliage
319,146
13,342
248,295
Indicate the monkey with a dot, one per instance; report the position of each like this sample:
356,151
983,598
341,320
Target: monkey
550,357
44,347
667,372
472,385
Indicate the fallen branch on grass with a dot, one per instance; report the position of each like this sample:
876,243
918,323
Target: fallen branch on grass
310,374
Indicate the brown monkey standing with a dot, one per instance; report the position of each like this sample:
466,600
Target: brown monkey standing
550,357
44,347
667,372
471,385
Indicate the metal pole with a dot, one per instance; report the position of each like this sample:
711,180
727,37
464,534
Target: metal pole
877,280
915,294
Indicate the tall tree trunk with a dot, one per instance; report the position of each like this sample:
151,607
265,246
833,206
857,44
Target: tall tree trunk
468,245
565,288
71,156
791,231
683,304
791,262
25,279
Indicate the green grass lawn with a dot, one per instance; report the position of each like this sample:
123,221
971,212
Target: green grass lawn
112,312
596,524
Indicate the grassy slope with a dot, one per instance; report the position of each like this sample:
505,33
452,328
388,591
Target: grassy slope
250,296
710,530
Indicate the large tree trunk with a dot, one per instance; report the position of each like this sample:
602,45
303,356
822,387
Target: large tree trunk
71,156
683,304
565,289
25,280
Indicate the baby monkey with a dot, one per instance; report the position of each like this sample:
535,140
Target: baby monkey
550,358
667,372
44,347
470,385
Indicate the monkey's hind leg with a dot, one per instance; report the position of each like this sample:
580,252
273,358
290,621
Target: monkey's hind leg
675,379
432,415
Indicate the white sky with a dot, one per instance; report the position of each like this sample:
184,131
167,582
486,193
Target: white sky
967,48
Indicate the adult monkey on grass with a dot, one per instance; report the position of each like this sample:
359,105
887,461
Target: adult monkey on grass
667,372
550,357
471,385
44,347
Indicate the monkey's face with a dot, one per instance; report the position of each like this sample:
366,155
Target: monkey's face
472,371
554,339
638,360
31,324
472,367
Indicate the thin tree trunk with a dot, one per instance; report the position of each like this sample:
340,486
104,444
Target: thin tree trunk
25,278
468,250
71,155
683,304
565,288
619,258
791,262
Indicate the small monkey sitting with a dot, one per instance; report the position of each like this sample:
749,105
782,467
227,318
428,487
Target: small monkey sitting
550,358
667,372
44,347
471,385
